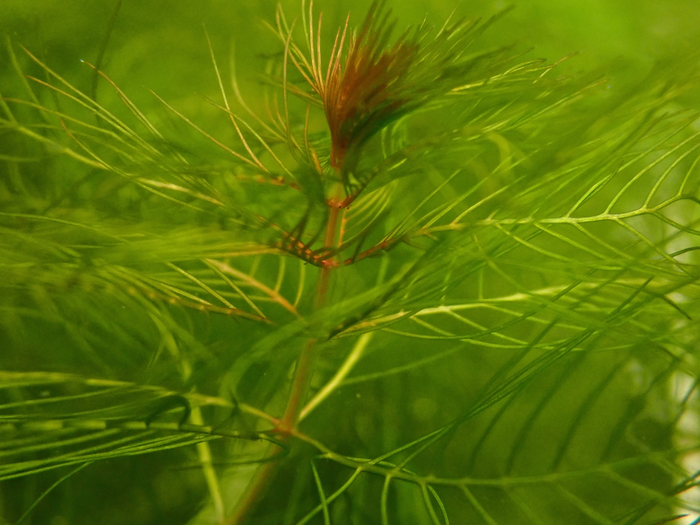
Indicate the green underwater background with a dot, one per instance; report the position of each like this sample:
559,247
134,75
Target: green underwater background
521,347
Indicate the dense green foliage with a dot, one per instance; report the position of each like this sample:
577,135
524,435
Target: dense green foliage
472,299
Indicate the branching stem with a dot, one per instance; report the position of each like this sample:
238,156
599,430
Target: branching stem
307,360
304,370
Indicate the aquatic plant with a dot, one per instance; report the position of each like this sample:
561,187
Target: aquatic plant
436,283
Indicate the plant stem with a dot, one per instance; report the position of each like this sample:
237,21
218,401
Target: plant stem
256,488
303,372
307,360
204,453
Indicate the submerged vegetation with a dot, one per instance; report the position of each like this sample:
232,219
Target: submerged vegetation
418,280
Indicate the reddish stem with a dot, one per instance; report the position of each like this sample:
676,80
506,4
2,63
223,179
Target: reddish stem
302,378
307,359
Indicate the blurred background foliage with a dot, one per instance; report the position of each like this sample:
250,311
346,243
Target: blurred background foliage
160,45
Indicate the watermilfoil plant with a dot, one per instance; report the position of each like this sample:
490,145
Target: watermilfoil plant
372,83
437,283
